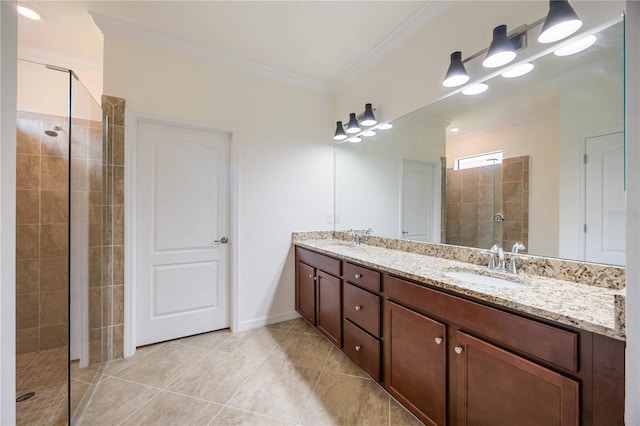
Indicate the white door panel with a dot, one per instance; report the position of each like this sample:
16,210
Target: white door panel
605,239
420,201
182,208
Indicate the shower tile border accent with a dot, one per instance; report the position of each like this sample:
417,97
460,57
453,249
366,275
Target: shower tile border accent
112,330
594,274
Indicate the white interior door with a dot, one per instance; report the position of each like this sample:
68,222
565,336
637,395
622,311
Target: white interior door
420,202
605,208
182,193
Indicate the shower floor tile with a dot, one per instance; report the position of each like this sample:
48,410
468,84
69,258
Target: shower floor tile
45,373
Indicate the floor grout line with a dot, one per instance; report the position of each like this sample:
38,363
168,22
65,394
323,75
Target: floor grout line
313,390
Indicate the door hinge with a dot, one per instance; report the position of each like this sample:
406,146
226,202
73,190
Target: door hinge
585,159
585,228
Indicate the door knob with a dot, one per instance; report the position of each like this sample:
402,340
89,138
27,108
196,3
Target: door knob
223,240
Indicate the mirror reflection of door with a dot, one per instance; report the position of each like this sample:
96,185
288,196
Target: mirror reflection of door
605,213
420,201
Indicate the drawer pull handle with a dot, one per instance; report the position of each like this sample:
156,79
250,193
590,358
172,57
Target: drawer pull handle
310,276
438,340
358,307
358,276
458,349
358,348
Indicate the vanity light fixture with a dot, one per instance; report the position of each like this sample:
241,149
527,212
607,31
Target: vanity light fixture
561,22
339,135
501,50
363,124
475,89
518,70
368,119
353,126
576,46
29,12
456,74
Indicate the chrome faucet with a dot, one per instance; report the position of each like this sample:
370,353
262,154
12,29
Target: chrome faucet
512,264
355,238
496,258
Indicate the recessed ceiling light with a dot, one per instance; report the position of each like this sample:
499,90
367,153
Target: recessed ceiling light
29,13
576,46
454,130
385,126
476,89
519,70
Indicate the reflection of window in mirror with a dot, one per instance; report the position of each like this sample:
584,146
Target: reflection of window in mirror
480,160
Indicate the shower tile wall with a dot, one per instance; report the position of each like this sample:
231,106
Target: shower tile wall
112,331
470,207
41,226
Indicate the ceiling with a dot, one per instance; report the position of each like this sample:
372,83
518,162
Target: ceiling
318,40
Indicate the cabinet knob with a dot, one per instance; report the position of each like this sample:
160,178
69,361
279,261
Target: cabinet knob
358,276
358,307
458,349
310,276
438,340
358,347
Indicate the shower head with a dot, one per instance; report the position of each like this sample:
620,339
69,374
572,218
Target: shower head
54,132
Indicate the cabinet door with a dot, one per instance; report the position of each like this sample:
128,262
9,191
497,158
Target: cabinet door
329,307
306,292
496,387
415,362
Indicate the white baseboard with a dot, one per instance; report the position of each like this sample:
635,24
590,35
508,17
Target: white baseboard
261,322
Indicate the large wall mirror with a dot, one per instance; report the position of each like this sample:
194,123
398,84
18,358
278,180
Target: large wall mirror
537,159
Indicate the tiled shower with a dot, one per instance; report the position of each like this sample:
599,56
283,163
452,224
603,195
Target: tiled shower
476,195
69,242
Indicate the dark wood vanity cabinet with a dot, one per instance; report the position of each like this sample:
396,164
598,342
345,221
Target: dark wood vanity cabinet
416,362
329,307
306,291
497,387
319,292
452,360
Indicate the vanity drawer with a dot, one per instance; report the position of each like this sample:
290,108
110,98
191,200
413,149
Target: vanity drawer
548,343
363,277
320,261
362,307
363,349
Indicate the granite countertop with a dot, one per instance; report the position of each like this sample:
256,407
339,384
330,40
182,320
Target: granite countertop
582,306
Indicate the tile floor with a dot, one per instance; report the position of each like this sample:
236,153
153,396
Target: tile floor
282,374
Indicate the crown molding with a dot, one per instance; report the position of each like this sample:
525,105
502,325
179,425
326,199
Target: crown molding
58,57
427,13
123,30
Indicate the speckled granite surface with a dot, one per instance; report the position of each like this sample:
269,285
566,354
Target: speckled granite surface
588,307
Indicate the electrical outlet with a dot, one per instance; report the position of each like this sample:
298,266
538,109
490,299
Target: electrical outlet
329,217
337,218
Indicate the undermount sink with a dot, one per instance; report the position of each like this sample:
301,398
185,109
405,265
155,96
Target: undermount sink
340,245
482,280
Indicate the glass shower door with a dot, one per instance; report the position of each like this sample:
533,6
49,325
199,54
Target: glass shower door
88,311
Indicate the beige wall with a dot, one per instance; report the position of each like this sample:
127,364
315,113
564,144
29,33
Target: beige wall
537,138
283,156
